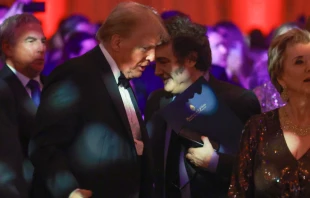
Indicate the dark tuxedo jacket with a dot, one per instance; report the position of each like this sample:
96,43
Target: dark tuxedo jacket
25,107
84,138
25,111
242,102
12,182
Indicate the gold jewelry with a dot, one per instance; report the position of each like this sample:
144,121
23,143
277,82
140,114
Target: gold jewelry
284,94
287,124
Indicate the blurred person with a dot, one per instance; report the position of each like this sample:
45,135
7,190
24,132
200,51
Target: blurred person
23,50
274,157
78,44
219,50
239,64
73,23
91,139
16,8
257,40
3,10
179,63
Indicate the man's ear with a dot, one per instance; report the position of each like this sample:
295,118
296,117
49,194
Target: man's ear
191,59
116,41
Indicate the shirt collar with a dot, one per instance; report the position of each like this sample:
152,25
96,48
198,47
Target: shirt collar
22,78
112,63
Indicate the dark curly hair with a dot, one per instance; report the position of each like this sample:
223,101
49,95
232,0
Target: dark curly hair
189,41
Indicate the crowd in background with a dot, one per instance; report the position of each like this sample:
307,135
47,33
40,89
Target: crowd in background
89,135
237,58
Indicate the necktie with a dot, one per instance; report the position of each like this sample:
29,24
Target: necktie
34,87
122,80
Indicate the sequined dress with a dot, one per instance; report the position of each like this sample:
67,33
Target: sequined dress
265,166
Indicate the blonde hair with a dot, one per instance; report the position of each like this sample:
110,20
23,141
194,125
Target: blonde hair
124,18
277,49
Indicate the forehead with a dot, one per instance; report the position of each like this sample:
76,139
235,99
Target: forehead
298,49
33,29
148,31
215,37
164,51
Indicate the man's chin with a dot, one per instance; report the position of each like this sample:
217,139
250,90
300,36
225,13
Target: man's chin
136,75
168,89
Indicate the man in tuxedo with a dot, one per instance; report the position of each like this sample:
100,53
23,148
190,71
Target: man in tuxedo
91,140
180,62
23,50
12,182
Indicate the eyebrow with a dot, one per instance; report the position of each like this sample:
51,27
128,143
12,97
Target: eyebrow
297,57
161,59
33,38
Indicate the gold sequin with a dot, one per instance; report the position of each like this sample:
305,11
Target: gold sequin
265,167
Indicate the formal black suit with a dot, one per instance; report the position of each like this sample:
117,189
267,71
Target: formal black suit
84,138
25,111
12,182
242,102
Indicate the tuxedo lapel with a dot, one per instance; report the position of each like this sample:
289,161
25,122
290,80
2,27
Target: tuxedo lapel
112,88
19,90
138,113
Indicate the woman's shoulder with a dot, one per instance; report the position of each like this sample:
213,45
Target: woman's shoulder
262,123
266,116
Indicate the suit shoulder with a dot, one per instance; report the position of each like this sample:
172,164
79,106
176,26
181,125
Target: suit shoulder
153,102
236,92
73,68
262,119
7,99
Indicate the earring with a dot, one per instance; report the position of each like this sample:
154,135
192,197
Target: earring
284,94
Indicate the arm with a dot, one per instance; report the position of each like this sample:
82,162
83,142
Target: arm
12,183
57,121
242,180
244,106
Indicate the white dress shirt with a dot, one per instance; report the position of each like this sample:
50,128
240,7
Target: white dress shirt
24,79
130,110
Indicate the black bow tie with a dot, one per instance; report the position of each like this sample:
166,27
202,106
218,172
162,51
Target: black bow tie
122,80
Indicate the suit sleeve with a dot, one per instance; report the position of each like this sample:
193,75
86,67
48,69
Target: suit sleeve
246,106
12,183
57,124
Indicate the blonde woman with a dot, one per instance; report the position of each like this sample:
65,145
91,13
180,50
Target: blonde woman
274,157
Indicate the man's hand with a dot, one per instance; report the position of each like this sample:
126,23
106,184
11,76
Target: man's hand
201,157
81,193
